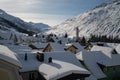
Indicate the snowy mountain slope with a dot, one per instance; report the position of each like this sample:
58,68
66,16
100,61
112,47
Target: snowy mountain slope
40,26
102,20
18,24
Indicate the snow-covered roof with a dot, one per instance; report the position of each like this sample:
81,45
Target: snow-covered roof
40,45
80,48
31,64
91,63
106,57
63,64
118,49
19,48
106,50
91,58
7,55
112,45
57,46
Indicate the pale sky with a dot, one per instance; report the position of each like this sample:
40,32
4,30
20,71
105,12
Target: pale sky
51,12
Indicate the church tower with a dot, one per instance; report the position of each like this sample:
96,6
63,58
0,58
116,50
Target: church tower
77,33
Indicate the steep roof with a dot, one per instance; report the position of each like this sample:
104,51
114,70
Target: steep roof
106,57
57,46
19,48
80,48
91,63
118,49
106,50
70,45
91,58
7,55
63,64
40,45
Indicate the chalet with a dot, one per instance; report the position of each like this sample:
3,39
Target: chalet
105,50
51,47
109,63
52,66
104,62
87,59
74,47
38,46
48,48
71,48
9,64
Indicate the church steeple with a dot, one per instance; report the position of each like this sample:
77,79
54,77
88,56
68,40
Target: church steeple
77,33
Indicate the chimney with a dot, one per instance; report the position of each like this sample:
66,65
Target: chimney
25,58
40,57
50,60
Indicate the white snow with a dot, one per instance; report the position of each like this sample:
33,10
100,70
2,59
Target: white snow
91,63
64,63
57,47
100,55
106,57
118,49
106,50
103,20
39,45
20,48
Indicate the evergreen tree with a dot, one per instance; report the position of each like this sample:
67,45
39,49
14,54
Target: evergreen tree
66,35
83,41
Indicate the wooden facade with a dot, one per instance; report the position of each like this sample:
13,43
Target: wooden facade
33,47
72,49
48,48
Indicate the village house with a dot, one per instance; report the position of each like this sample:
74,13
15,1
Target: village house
52,66
38,46
118,49
71,48
88,60
9,64
52,47
105,61
63,47
74,47
108,61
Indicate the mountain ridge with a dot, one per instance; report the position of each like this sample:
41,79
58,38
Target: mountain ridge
18,24
102,20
